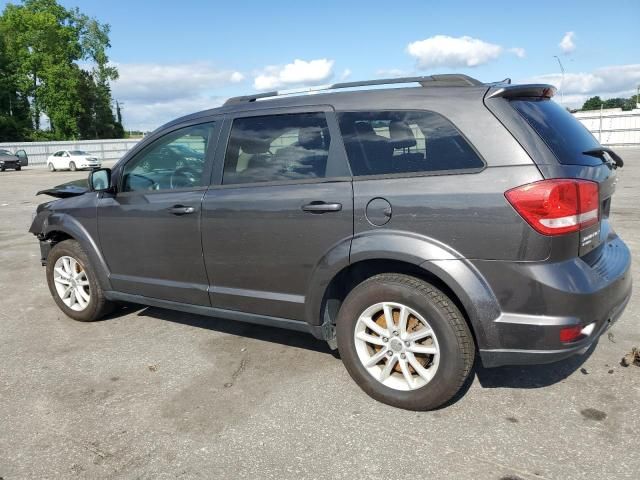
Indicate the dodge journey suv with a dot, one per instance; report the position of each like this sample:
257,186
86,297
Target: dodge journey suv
412,228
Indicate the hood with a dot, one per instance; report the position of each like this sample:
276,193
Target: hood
69,189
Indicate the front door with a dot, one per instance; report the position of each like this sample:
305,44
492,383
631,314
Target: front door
150,229
285,201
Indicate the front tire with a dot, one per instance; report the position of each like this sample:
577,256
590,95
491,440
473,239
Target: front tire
419,359
73,283
18,168
72,166
51,167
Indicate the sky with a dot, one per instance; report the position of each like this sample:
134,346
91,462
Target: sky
175,58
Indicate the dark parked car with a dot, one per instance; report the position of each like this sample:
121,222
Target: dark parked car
14,161
412,228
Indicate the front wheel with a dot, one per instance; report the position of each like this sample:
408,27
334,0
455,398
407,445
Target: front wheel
404,342
18,168
72,166
51,167
73,283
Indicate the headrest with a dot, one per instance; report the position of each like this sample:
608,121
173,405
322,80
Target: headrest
254,144
364,128
401,135
310,138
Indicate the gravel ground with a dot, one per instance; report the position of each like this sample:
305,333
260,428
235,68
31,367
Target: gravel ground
151,393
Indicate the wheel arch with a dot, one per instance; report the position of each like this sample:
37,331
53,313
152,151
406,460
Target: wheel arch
411,255
59,227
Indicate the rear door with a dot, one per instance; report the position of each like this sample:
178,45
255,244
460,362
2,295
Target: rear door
282,200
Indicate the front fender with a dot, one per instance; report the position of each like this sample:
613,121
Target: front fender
49,223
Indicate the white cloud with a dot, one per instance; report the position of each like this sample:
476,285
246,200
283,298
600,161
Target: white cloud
158,81
567,44
346,73
153,94
300,72
446,51
392,72
518,52
607,82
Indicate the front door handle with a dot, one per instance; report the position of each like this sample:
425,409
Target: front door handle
181,210
322,207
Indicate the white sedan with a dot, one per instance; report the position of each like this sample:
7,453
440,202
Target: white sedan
72,160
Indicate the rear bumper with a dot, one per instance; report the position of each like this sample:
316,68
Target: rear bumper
539,299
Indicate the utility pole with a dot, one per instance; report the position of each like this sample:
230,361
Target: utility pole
638,98
562,80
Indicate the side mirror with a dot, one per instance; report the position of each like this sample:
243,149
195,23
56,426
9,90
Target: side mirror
100,180
24,159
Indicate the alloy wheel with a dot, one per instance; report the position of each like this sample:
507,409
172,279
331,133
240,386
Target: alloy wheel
72,284
397,346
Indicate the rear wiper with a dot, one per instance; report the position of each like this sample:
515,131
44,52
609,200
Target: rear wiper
600,151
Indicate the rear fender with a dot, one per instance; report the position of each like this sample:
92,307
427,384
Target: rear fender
432,256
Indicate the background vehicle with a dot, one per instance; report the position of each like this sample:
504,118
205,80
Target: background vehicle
411,228
13,161
72,160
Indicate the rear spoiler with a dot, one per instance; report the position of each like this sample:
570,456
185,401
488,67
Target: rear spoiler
515,91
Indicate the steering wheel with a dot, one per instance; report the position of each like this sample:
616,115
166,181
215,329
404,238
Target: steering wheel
183,177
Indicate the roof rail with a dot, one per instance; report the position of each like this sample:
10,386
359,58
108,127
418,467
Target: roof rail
443,80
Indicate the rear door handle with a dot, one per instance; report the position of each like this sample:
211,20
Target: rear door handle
181,210
322,207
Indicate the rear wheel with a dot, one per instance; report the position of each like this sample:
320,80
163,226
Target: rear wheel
73,283
51,167
72,166
404,342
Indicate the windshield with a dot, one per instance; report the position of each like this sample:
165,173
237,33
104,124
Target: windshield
564,135
5,152
78,152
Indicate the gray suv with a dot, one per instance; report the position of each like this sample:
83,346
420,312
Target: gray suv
413,228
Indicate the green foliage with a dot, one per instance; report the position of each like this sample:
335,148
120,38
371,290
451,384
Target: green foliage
594,103
53,61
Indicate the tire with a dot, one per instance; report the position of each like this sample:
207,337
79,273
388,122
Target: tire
72,166
18,168
404,387
97,306
51,167
2,169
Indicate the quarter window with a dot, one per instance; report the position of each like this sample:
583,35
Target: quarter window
388,142
277,148
174,161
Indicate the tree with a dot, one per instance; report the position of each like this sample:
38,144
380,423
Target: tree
592,103
47,44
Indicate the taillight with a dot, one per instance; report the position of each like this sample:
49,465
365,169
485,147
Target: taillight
555,207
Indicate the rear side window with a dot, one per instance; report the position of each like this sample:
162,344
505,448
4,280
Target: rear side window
277,148
564,135
387,142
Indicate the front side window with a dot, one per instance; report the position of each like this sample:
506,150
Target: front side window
387,142
174,161
277,148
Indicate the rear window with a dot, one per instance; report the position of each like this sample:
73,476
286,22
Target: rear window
564,135
387,142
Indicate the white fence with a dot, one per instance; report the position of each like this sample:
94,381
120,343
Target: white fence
613,126
102,149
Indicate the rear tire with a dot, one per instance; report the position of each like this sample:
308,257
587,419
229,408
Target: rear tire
416,370
71,278
51,167
72,166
